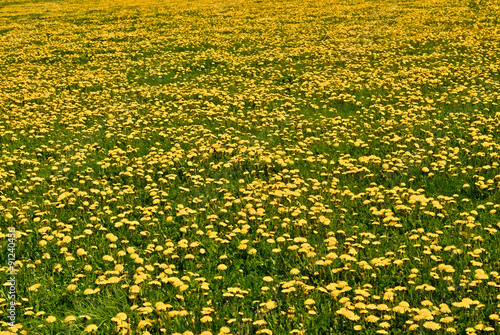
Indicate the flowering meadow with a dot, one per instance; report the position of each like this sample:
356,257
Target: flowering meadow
203,167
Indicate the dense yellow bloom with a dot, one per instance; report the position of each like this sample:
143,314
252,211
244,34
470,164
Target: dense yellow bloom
188,152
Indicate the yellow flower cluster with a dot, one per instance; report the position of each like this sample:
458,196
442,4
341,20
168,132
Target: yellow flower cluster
237,167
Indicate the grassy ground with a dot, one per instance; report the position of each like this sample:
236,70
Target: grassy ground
250,167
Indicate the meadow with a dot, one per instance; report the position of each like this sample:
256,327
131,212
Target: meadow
204,167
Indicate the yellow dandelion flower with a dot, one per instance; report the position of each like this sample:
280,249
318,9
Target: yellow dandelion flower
480,326
424,314
90,328
111,237
270,304
309,302
447,319
206,318
372,318
399,309
51,319
108,258
144,324
134,289
34,288
81,252
120,317
432,325
384,325
70,318
444,308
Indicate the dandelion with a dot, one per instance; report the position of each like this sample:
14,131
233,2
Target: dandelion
88,291
447,319
372,318
108,258
143,324
384,325
134,289
119,317
90,328
34,288
206,319
70,318
270,304
432,325
81,252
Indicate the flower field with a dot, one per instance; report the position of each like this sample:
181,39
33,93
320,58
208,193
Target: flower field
203,167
